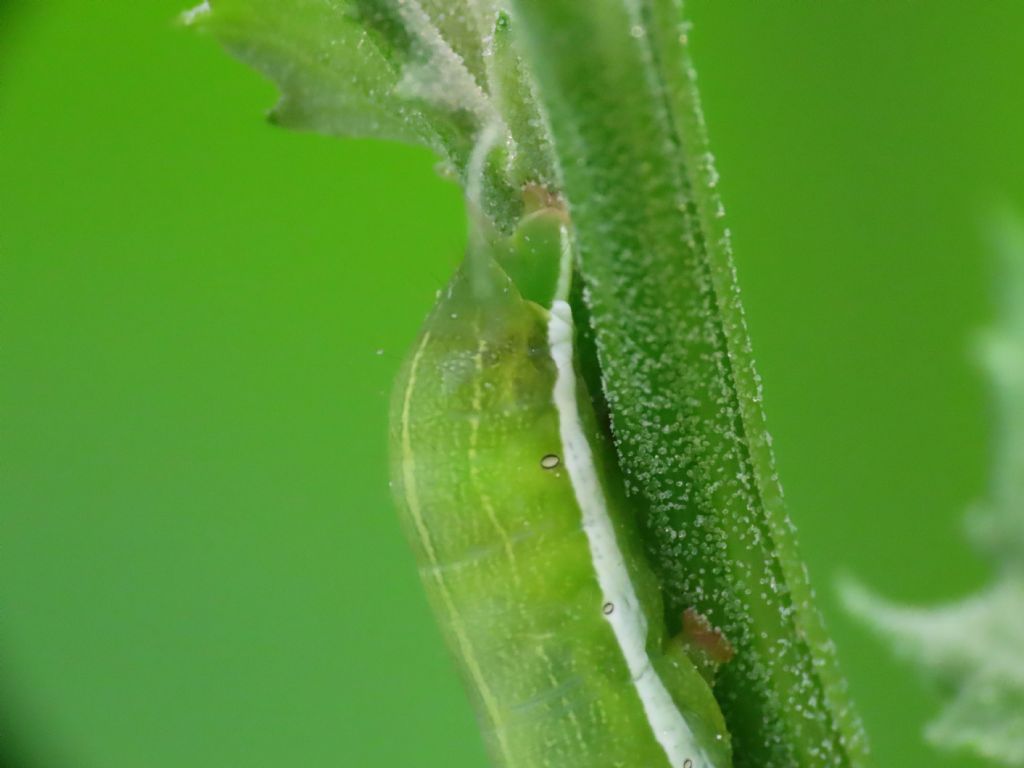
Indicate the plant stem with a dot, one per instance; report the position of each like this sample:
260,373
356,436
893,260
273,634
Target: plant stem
684,398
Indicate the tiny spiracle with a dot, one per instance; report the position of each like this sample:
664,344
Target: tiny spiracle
687,763
607,609
550,461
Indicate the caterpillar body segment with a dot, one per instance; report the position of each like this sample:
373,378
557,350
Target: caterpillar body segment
509,495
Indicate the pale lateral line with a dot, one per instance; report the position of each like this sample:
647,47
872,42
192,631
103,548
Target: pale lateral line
626,618
413,502
474,468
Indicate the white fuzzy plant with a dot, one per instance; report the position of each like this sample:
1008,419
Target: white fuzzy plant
975,646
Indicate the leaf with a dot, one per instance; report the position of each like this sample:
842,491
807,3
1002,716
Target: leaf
975,646
334,76
998,525
431,72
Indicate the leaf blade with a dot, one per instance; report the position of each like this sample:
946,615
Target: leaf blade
333,77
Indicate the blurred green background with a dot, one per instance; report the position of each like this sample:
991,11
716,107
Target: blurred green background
201,317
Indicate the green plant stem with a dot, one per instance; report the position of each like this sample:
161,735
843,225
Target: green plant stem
683,395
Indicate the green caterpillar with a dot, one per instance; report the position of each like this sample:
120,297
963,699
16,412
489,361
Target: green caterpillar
527,549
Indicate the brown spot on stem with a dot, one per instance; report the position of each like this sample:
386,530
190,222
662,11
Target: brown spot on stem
708,639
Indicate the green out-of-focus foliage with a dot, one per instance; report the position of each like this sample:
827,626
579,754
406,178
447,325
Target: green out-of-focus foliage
975,646
201,317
